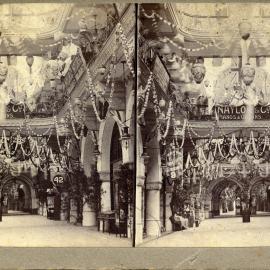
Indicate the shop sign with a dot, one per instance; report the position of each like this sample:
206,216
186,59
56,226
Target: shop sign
15,110
161,74
230,112
58,180
262,113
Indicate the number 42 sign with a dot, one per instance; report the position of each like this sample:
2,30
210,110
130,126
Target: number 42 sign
58,180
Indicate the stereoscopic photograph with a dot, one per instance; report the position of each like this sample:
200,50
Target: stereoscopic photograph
203,125
134,125
67,136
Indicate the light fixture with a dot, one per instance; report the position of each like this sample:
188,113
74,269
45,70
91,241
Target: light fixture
96,153
125,137
96,150
30,61
145,156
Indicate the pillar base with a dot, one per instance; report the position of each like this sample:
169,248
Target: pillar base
153,228
89,218
139,234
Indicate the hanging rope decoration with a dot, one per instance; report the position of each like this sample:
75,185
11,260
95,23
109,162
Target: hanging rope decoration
126,48
113,72
91,89
175,27
168,118
146,93
155,100
186,49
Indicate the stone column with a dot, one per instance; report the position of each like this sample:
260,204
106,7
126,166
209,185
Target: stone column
105,194
153,225
168,208
73,211
153,186
105,191
139,210
89,215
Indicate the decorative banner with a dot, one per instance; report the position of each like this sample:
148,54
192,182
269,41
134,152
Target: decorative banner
161,74
174,162
230,112
261,112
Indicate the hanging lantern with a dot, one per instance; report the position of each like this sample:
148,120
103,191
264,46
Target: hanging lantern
244,30
145,156
30,61
125,138
96,152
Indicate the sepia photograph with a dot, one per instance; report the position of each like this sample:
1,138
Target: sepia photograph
66,124
203,105
134,135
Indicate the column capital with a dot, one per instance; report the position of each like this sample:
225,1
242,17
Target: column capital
153,185
104,176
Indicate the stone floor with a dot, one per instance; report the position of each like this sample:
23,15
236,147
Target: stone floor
38,231
219,232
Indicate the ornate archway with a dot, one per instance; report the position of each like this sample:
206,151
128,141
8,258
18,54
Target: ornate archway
27,189
215,190
259,191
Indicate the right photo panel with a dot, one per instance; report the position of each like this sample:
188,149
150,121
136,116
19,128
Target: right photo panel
203,111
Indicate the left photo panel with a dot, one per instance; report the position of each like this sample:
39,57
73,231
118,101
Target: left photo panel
67,84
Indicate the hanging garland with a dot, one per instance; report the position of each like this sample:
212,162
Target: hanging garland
91,89
154,14
126,48
146,93
168,118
